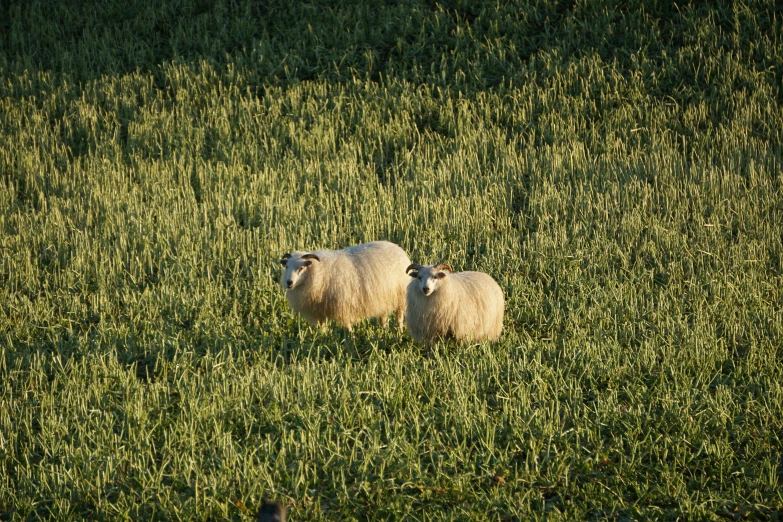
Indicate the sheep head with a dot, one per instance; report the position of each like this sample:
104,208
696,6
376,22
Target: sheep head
296,266
428,277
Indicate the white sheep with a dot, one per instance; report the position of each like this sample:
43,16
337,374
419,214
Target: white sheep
347,285
463,305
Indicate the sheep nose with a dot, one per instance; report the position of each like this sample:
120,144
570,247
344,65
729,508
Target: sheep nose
426,290
290,283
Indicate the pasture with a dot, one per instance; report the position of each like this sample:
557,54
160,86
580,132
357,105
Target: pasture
618,169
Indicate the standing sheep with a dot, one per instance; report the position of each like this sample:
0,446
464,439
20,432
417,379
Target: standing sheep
366,280
465,305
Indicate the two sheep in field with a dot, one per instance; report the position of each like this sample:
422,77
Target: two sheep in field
374,280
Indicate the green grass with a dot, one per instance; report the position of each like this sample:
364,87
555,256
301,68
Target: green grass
618,170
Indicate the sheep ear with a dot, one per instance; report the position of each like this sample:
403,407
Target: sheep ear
415,268
284,259
307,263
443,267
311,256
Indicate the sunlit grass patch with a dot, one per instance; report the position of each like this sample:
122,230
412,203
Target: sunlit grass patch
617,169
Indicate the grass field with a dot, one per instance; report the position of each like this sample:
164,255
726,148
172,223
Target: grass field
617,167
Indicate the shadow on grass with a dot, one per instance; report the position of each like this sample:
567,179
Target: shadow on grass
465,46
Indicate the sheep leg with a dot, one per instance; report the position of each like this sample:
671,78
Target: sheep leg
400,318
384,321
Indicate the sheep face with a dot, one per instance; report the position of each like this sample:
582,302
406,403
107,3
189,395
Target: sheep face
296,266
429,278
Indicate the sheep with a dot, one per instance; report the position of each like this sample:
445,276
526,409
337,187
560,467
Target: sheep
271,512
347,285
463,306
